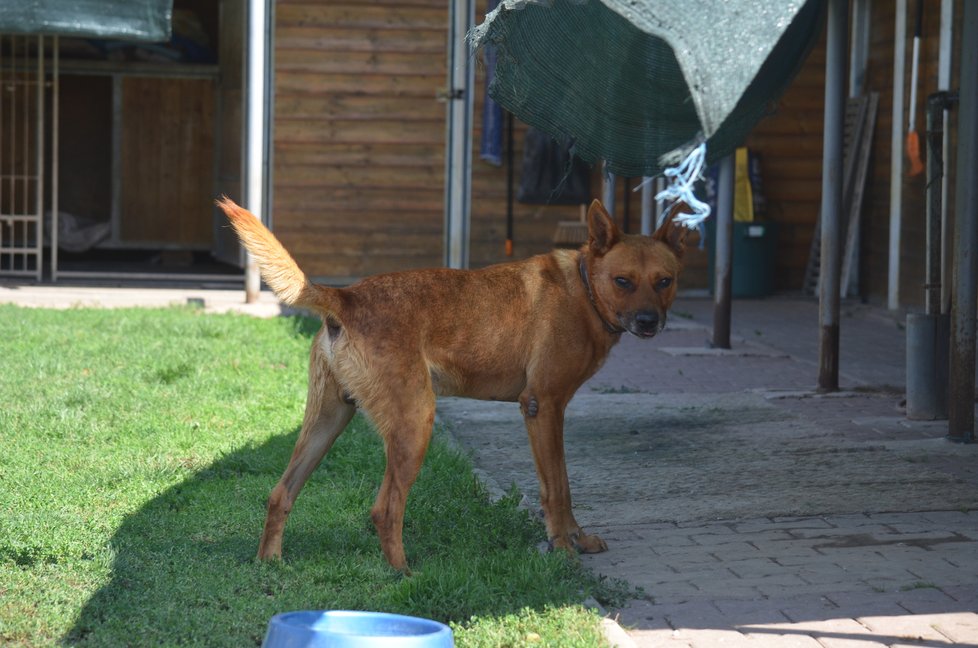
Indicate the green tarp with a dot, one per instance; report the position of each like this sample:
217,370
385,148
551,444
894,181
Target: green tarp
639,83
130,20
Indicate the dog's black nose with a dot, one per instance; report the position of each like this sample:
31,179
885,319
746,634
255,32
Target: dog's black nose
647,320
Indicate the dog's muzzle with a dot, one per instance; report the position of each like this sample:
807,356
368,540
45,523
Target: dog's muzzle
645,324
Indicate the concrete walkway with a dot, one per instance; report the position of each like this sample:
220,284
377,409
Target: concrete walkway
740,508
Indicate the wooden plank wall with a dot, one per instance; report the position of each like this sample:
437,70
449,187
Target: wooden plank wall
789,143
359,148
359,134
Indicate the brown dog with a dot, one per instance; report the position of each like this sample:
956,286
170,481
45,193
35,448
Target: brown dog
530,331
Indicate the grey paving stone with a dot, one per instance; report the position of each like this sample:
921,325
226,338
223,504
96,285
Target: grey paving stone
965,595
695,614
915,627
754,567
953,519
753,526
678,592
715,638
929,601
762,638
734,551
862,603
741,613
849,520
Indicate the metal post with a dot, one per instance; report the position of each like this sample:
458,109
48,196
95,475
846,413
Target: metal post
832,162
458,154
961,406
256,128
944,83
937,106
608,191
861,21
927,332
39,162
723,266
897,135
55,130
647,218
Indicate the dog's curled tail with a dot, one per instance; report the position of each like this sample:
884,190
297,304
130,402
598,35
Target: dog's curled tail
278,268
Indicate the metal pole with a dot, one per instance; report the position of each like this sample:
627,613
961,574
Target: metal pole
944,83
723,266
55,129
648,219
39,162
927,333
608,191
256,117
897,135
861,20
458,154
832,161
961,406
937,106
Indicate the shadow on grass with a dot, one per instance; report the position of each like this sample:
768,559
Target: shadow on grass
184,570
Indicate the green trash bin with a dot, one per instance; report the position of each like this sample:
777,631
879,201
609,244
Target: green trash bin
754,248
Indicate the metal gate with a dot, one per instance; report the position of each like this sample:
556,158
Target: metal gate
21,155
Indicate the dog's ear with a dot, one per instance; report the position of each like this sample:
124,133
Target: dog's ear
672,233
602,232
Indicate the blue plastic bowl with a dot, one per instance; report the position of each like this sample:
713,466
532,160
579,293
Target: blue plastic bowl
345,629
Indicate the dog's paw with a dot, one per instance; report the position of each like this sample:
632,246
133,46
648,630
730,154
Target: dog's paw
578,542
590,544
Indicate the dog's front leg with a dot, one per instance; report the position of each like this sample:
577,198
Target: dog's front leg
545,425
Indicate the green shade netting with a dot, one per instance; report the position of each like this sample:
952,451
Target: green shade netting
638,83
131,20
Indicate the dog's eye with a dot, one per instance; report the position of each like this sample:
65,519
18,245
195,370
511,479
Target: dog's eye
623,282
663,283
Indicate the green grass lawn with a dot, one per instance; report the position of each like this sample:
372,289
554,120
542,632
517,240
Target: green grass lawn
138,448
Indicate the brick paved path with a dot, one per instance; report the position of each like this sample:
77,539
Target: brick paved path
905,578
867,571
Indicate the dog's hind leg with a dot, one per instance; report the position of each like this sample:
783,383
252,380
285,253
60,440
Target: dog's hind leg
544,420
327,414
405,424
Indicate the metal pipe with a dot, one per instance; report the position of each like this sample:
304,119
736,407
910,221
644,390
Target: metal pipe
510,191
723,265
256,125
55,129
832,161
897,135
39,163
458,154
115,180
660,204
647,218
626,212
937,105
861,21
961,405
608,191
944,83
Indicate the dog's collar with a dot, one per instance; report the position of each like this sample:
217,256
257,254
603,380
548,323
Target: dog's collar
582,267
